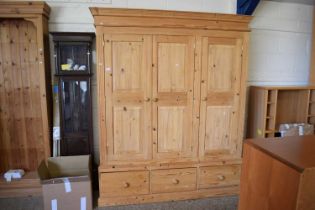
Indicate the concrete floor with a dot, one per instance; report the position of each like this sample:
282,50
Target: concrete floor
219,203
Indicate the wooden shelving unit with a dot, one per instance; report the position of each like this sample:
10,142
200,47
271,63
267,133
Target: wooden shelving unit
270,106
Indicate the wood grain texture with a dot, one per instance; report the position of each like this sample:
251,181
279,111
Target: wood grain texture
173,180
23,8
270,106
128,110
173,196
256,122
278,174
173,97
306,190
296,151
269,185
168,19
124,183
179,114
24,111
29,185
216,176
220,80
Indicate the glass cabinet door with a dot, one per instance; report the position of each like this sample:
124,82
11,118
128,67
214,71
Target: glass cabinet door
75,122
73,58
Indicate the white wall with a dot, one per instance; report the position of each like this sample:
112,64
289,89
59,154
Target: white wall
280,44
74,15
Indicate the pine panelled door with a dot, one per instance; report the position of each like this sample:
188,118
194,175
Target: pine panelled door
24,85
171,90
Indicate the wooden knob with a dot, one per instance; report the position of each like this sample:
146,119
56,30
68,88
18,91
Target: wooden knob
221,177
147,99
126,185
155,99
175,181
205,99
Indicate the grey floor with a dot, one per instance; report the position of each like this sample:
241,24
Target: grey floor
219,203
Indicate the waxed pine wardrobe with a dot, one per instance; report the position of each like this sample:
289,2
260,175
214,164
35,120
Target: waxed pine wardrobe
171,94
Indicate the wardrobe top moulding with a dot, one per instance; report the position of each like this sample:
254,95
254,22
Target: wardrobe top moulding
168,19
17,9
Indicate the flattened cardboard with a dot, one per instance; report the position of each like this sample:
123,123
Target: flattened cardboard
74,192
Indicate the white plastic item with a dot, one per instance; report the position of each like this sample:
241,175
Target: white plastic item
14,174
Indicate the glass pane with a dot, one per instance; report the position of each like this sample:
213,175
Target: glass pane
75,146
75,106
74,57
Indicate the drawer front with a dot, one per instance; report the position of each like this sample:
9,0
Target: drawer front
219,176
124,183
173,180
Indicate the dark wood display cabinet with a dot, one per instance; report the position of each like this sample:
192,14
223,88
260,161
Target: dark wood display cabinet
73,57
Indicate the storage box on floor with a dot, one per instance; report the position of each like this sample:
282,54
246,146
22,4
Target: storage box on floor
66,183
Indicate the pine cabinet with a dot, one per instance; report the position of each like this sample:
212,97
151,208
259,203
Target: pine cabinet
25,87
171,90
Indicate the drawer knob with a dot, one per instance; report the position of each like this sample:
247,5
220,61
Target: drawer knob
221,177
175,181
126,185
155,100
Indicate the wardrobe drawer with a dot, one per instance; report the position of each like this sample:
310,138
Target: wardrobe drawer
219,176
124,183
173,180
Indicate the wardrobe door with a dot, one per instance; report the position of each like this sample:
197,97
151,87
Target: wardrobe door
127,97
173,75
220,91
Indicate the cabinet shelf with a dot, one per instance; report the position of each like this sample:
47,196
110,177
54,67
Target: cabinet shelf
281,104
270,131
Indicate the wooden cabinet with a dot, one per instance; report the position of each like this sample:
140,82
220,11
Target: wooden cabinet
278,174
72,53
270,106
171,104
25,90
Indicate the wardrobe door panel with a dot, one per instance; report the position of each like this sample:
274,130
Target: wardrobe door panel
127,97
220,87
172,105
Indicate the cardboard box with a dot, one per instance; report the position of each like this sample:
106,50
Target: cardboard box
66,183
